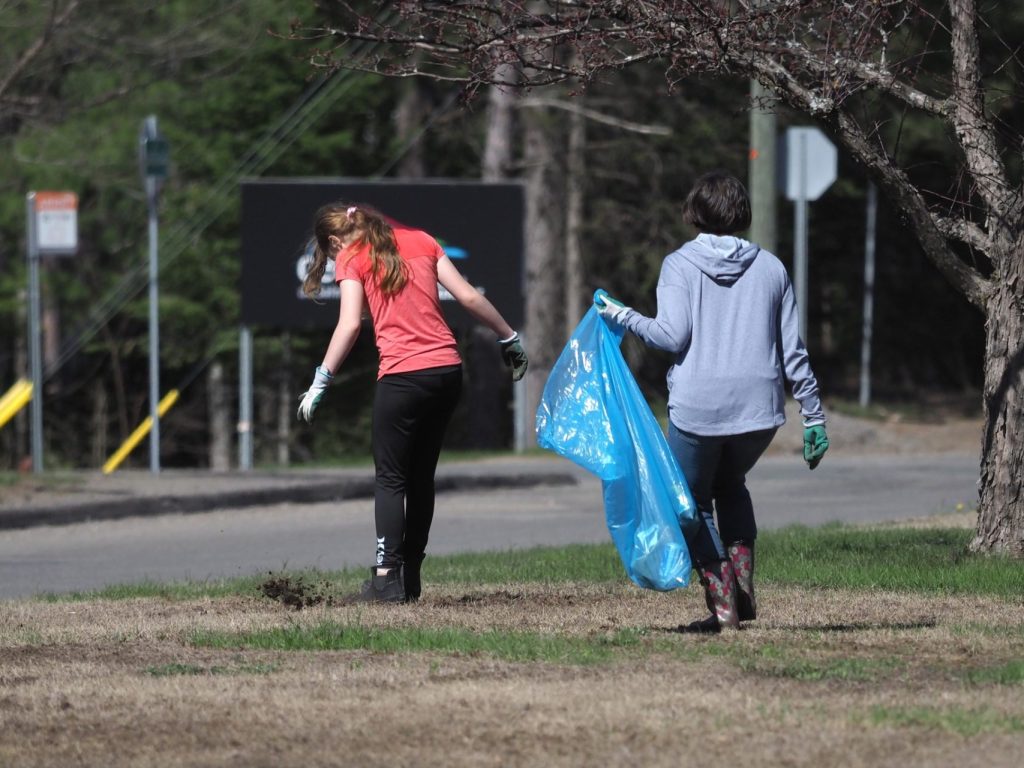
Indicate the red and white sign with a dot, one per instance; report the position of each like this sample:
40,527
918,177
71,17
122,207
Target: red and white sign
56,222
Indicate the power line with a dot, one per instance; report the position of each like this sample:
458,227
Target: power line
314,102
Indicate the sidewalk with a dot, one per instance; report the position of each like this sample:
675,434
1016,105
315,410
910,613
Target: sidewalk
73,497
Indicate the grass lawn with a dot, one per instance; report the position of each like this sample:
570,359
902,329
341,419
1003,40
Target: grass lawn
885,646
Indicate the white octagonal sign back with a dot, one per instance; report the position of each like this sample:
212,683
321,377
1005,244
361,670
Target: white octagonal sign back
810,163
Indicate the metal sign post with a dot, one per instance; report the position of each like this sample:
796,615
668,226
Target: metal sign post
869,296
153,154
810,169
51,229
245,398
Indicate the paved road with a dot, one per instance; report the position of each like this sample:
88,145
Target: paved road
332,535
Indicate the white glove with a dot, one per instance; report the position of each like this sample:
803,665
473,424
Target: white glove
310,399
612,310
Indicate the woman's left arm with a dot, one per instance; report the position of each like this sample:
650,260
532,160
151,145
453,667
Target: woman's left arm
795,362
670,329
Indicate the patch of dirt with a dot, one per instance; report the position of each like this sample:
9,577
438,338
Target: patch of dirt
296,592
877,677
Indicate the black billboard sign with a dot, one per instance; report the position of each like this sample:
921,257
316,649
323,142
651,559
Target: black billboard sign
479,224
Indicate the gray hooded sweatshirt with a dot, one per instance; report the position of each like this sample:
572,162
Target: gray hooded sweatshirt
726,310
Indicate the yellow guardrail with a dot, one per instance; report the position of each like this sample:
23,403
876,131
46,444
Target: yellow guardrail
14,399
140,432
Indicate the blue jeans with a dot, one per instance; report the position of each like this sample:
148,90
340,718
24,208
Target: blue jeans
715,468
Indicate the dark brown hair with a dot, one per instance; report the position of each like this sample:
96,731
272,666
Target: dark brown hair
718,204
342,220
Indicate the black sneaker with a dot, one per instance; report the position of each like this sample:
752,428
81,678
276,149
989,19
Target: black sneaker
411,576
382,589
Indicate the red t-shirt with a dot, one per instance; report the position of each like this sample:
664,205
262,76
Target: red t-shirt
410,329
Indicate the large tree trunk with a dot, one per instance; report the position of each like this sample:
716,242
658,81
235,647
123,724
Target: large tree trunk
499,141
98,438
409,115
1001,508
575,178
486,384
220,425
544,259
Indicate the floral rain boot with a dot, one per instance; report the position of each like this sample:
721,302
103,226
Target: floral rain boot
741,554
720,594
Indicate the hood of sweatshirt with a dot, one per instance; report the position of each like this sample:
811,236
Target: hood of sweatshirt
723,258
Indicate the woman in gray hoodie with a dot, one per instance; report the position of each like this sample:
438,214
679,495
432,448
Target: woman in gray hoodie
726,310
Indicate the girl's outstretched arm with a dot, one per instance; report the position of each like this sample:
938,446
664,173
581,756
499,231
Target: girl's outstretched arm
471,299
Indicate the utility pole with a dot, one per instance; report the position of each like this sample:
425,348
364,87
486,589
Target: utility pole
762,167
153,164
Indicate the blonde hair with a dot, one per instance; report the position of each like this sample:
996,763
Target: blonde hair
342,220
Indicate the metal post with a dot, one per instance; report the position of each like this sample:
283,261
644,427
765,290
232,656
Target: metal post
244,398
800,238
869,296
34,342
519,411
153,155
800,262
154,328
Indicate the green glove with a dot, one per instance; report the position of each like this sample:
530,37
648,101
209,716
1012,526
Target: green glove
815,445
612,310
514,355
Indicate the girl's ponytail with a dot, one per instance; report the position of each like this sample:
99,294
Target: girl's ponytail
312,284
388,267
371,228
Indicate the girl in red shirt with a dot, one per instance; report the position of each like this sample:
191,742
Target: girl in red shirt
395,270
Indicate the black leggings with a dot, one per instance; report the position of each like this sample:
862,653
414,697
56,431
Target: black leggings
410,414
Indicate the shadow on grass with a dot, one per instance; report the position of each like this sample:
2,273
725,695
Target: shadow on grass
861,626
857,626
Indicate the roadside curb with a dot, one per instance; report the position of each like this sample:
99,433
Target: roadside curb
308,493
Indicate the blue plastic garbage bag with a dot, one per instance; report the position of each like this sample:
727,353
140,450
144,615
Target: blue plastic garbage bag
593,412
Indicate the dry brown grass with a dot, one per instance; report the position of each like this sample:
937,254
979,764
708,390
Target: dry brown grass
804,685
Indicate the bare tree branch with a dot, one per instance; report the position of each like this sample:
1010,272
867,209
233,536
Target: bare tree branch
964,231
893,180
597,117
56,21
817,55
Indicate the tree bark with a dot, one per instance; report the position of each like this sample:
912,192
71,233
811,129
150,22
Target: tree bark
544,263
575,178
219,421
487,375
1000,526
98,438
409,116
499,141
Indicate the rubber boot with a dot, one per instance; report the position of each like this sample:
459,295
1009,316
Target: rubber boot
741,554
382,589
411,574
720,595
